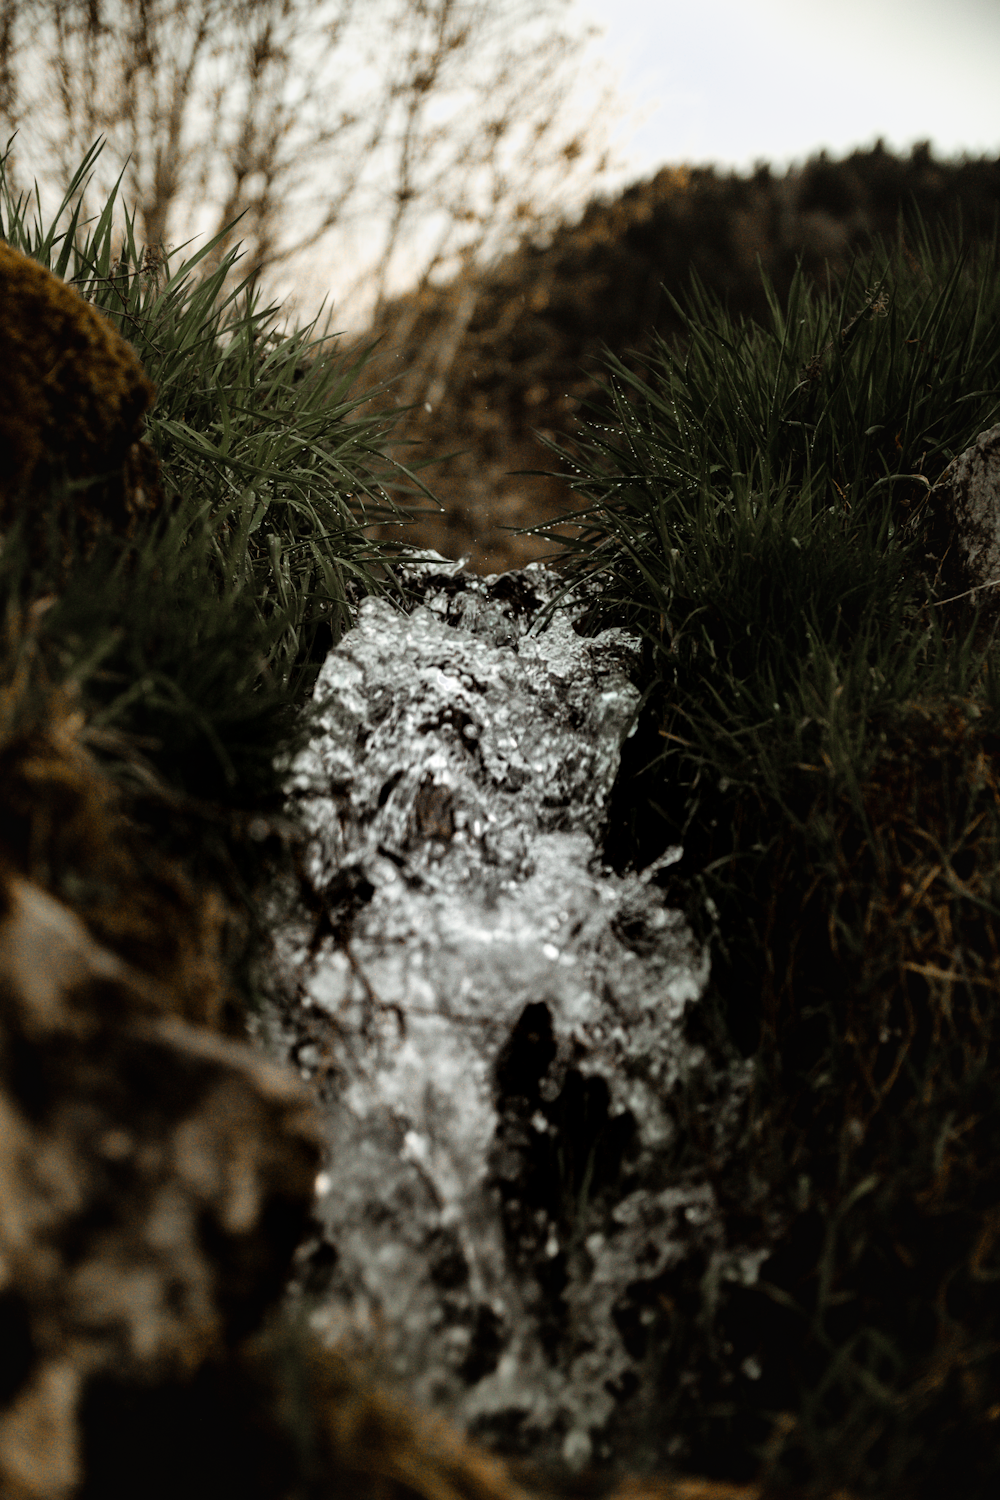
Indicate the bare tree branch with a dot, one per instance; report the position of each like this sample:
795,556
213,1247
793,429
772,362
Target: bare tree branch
429,131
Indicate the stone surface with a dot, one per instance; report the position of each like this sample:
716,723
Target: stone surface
969,490
496,1023
153,1180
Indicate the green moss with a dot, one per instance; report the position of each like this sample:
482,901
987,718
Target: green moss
72,398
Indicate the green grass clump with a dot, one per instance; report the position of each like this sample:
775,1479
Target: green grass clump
259,435
821,729
190,647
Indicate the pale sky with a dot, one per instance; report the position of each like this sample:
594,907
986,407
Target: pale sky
735,81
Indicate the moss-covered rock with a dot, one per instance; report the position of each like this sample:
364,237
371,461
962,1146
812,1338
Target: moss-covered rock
73,395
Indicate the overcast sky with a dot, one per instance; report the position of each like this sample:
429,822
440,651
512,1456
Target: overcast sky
735,81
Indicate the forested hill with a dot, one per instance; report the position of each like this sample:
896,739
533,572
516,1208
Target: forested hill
502,355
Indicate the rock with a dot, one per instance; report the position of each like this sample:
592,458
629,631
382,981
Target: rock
72,398
969,493
496,1024
155,1176
64,826
154,1179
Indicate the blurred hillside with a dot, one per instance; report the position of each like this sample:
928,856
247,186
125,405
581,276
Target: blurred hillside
492,358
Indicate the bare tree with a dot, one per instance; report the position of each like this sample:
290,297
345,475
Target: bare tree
410,137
